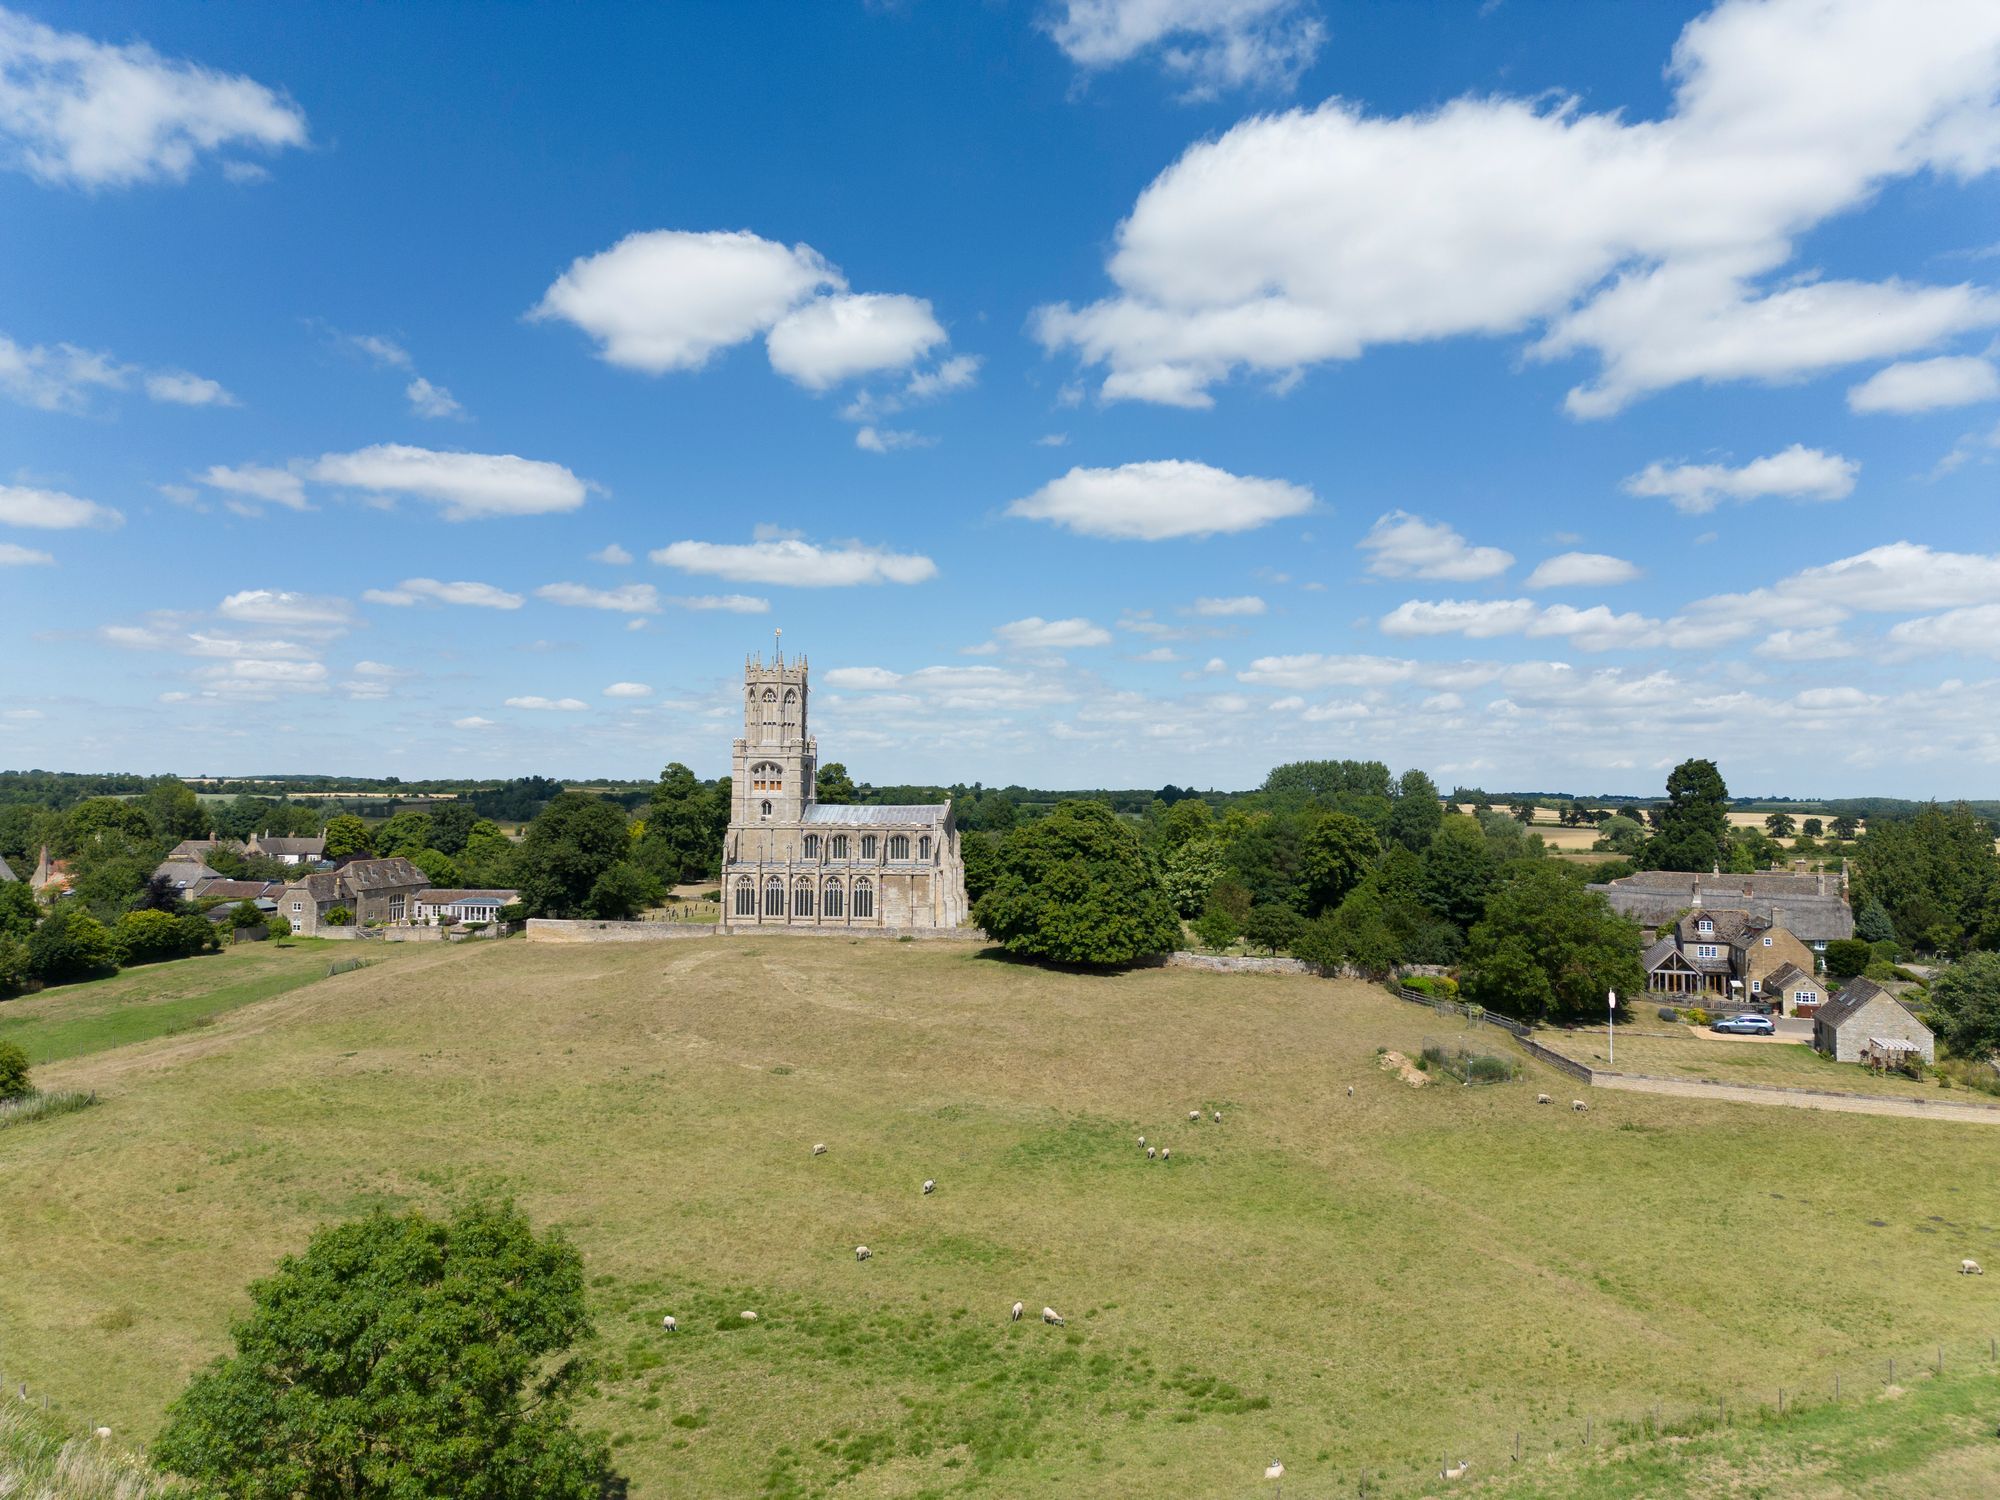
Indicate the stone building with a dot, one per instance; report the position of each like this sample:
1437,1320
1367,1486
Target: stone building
381,891
1812,907
790,860
1865,1023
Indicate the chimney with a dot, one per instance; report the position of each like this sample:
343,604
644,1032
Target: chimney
1822,882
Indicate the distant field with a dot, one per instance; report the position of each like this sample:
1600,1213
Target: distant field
1365,1281
1693,1055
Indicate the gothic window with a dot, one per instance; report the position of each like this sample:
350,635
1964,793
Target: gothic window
802,898
840,846
899,846
767,809
864,898
746,899
812,846
924,847
767,777
774,897
867,849
830,904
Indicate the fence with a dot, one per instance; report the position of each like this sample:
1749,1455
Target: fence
346,966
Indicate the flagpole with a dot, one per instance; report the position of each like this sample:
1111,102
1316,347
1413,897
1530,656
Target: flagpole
1610,1030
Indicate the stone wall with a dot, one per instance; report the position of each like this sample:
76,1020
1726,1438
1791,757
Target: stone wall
565,930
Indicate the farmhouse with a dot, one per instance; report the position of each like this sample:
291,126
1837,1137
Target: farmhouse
1813,908
197,851
184,874
789,860
445,907
51,877
1795,991
289,851
1865,1023
371,890
1733,955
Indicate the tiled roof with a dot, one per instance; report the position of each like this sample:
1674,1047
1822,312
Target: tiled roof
185,872
376,874
1658,954
1791,976
1853,995
314,846
221,889
852,815
453,898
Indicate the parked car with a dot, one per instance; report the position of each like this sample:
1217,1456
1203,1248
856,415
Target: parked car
1746,1025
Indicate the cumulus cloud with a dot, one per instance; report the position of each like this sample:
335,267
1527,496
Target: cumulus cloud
1974,630
887,440
464,486
432,591
428,400
1206,44
613,555
64,377
1927,385
628,690
81,113
734,604
1597,628
953,374
1662,247
52,510
1037,634
282,607
1575,570
472,721
1407,546
795,563
179,388
15,556
1158,500
1242,604
562,705
1796,473
629,599
837,338
255,482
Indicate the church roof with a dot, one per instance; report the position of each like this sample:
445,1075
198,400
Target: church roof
849,814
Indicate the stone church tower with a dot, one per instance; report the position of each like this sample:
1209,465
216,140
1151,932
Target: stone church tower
790,860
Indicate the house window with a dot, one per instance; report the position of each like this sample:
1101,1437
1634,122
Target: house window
867,849
899,846
830,904
1705,925
1767,942
746,899
1706,950
298,906
767,809
802,898
774,897
1803,997
396,909
812,846
864,898
840,846
1756,986
297,925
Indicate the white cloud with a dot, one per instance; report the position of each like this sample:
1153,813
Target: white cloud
628,599
1822,644
58,378
613,555
428,400
1576,570
380,669
668,299
1407,546
1243,604
563,705
77,112
466,486
1158,654
52,510
1052,440
282,607
953,374
1597,628
1927,385
795,563
13,556
1157,500
1313,670
837,338
1974,630
861,678
1657,245
179,388
735,604
1209,44
1037,634
249,676
1796,473
628,690
384,351
472,721
1476,619
886,440
279,486
432,591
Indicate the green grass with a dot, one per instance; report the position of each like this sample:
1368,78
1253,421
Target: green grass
42,1459
155,1000
1788,1064
1351,1283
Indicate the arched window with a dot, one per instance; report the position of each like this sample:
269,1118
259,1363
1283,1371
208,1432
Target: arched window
867,846
767,809
812,846
830,903
774,897
802,898
767,777
899,846
840,846
864,898
924,847
746,898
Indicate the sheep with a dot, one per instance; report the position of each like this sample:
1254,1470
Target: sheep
1166,1153
1350,1091
930,1186
102,1434
1457,1470
1217,1116
1274,1470
1541,1098
1051,1316
1971,1268
862,1252
1142,1140
1151,1152
747,1316
820,1149
1578,1105
671,1323
1015,1317
1194,1117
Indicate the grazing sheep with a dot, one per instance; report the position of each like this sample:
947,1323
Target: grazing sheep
862,1252
1142,1140
671,1323
1151,1152
1016,1317
103,1434
1578,1105
1541,1098
1194,1117
1050,1315
1971,1268
929,1187
1217,1116
820,1149
1457,1470
1166,1153
1274,1470
747,1316
1350,1091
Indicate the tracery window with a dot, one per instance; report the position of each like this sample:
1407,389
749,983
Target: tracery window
867,848
924,847
802,898
899,846
840,846
774,897
830,903
746,899
812,846
864,897
767,809
767,777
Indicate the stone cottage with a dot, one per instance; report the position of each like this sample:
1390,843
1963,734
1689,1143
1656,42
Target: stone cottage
380,891
1864,1020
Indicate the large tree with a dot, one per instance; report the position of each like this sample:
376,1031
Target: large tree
1458,870
401,1356
1965,1004
1547,949
685,823
1075,887
832,784
1335,856
347,835
1417,812
1936,875
1694,826
568,849
70,944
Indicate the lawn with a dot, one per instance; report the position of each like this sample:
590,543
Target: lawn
1691,1054
1349,1282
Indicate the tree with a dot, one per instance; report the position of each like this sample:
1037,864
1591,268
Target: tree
1873,924
1549,949
1335,856
401,1356
1965,1002
70,944
1524,812
245,915
14,1082
1216,928
1190,870
1694,826
14,972
833,784
685,824
1847,957
1417,812
452,824
405,834
174,811
1780,825
148,936
439,868
981,854
19,911
1812,828
566,852
622,892
347,835
339,916
1273,926
1458,871
1935,874
1846,826
488,857
1074,887
1620,835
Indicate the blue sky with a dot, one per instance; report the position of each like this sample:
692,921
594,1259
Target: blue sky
1101,392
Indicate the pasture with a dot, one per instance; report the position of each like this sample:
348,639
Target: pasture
1348,1282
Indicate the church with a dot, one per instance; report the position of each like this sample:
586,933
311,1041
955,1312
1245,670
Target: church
790,860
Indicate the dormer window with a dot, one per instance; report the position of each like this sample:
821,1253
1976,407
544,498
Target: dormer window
1704,925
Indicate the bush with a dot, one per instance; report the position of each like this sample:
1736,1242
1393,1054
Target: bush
33,1106
339,916
70,944
14,1072
278,927
1273,925
1437,986
1215,928
148,936
1696,1016
1668,1013
1848,957
13,965
1489,1069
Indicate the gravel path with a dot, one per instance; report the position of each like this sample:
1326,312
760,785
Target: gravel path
1801,1099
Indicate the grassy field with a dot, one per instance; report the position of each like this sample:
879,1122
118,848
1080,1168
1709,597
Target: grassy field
1693,1055
1348,1282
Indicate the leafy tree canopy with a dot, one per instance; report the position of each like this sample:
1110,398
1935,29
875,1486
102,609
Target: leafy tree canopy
567,851
347,835
833,784
1694,825
1074,887
14,1082
70,944
1335,856
1417,812
1547,949
1965,1004
1936,876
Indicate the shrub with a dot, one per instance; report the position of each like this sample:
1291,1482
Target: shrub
14,1072
339,916
13,964
1847,957
1489,1069
1696,1016
1215,928
70,944
1668,1013
34,1106
278,927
